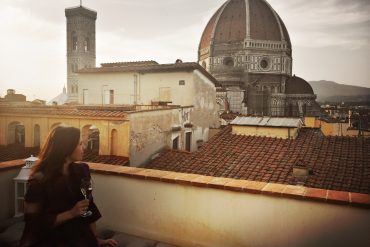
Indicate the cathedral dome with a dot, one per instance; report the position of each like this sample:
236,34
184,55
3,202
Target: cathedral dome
240,20
297,85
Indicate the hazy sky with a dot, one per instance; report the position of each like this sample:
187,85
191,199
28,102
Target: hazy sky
330,38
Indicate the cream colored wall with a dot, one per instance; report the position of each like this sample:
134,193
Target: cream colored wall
284,133
194,216
149,85
7,192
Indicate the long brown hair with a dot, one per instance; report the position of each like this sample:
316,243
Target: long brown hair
60,143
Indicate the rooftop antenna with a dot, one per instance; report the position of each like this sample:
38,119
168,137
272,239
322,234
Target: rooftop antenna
80,3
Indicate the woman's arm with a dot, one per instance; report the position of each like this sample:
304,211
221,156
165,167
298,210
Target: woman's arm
78,209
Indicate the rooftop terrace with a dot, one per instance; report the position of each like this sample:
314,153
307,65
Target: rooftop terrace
196,210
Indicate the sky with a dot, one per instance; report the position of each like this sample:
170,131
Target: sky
330,39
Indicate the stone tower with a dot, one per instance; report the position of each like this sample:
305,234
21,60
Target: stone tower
81,51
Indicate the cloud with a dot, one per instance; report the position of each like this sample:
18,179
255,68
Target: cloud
318,23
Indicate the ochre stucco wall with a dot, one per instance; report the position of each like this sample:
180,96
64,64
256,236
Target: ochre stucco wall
105,127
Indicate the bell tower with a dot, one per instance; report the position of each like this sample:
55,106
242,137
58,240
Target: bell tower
81,47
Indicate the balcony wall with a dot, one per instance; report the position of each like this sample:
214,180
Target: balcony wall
193,210
8,171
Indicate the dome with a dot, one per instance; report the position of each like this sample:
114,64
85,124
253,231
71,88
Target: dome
239,20
297,85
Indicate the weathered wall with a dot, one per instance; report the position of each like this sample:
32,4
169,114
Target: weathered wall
276,132
198,216
150,131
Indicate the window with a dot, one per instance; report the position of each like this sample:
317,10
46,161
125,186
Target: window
111,97
188,141
85,97
74,67
87,44
175,143
182,82
74,41
264,63
228,61
165,94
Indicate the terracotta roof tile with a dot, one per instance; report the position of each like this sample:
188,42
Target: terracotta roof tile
337,163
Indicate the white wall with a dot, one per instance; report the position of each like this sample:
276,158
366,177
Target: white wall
147,90
194,216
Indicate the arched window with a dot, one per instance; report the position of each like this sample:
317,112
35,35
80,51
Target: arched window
204,65
87,44
74,41
228,61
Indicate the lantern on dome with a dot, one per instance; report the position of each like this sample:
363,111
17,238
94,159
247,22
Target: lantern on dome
20,183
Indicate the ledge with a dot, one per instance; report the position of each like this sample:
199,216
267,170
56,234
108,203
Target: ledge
11,164
237,185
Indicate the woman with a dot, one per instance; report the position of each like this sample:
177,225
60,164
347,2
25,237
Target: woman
54,202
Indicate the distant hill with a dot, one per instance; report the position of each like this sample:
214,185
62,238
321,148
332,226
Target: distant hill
335,92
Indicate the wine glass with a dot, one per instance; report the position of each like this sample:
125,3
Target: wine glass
86,190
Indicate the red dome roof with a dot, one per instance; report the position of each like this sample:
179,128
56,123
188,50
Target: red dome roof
237,20
297,85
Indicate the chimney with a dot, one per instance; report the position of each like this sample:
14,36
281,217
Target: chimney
301,172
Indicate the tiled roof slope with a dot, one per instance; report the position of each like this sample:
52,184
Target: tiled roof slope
63,111
337,163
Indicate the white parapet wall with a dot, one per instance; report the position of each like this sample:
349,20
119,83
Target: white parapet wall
188,215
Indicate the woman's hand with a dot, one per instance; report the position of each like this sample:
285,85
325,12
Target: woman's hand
109,242
80,208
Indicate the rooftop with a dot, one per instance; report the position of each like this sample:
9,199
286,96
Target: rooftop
94,111
268,122
148,67
336,163
16,151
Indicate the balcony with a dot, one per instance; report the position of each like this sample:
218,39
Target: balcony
194,210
